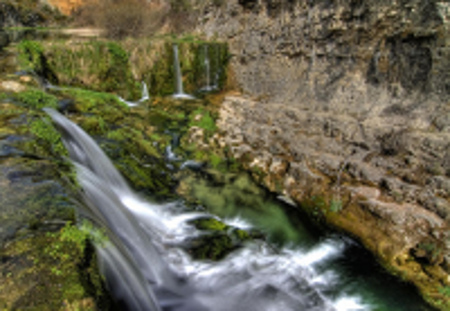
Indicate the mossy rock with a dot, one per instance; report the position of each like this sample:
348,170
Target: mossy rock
31,58
96,65
52,271
37,99
218,239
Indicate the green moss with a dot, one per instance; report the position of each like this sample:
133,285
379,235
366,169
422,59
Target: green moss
31,57
204,120
94,125
213,247
162,75
210,224
215,160
316,206
242,235
440,299
335,205
48,137
92,101
445,291
61,271
30,54
97,65
37,99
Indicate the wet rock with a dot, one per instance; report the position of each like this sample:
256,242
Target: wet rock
66,105
384,186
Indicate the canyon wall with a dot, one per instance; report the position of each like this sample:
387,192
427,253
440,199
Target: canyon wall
344,111
336,53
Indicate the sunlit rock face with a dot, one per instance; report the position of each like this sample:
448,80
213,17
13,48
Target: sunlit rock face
345,111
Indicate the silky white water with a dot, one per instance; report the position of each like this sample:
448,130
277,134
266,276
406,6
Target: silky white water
179,91
147,267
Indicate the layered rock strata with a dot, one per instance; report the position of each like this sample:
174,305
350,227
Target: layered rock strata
346,113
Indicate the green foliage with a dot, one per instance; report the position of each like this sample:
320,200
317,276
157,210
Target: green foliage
37,99
98,65
445,291
204,120
94,125
100,103
210,224
162,75
70,236
31,57
335,205
47,134
215,160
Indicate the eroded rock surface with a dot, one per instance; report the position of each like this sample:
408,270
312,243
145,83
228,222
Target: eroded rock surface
349,117
376,185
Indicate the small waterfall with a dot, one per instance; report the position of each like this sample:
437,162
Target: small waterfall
208,69
145,94
207,87
147,269
179,91
144,97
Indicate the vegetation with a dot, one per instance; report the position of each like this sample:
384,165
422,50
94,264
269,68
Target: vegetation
37,99
204,120
31,58
48,137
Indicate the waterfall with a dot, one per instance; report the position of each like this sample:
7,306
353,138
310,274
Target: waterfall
145,94
207,87
147,269
144,97
179,91
207,68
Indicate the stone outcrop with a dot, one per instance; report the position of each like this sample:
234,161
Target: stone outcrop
336,54
346,112
379,188
31,13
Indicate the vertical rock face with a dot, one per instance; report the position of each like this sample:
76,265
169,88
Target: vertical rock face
298,51
350,118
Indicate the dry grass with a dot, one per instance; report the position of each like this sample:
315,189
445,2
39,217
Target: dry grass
122,18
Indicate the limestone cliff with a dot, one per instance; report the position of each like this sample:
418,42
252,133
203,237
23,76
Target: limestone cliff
346,112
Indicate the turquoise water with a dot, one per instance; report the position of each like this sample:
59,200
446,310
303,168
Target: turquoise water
358,274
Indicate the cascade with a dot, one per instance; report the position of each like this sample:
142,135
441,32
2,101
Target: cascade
179,91
208,87
147,269
144,97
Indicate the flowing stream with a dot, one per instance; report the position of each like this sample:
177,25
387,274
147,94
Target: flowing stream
147,268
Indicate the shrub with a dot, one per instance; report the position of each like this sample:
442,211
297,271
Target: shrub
31,57
37,99
121,18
